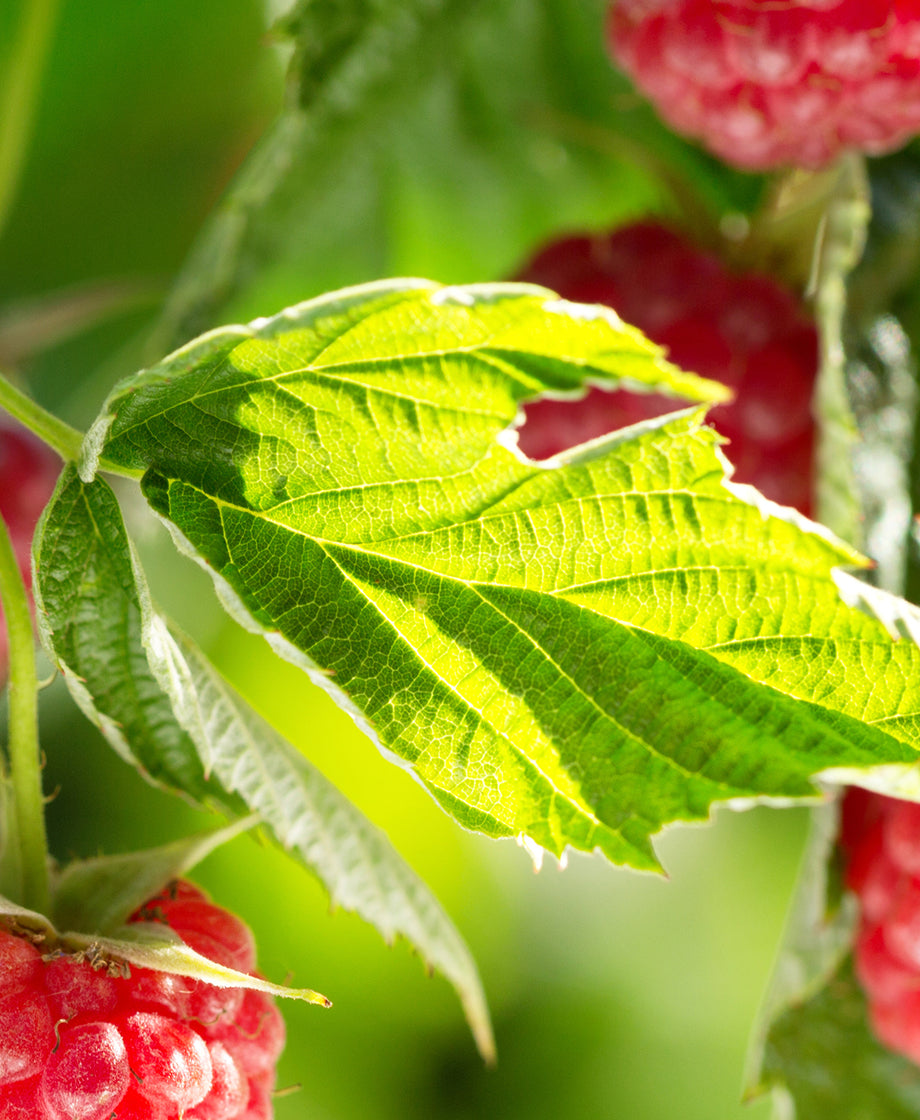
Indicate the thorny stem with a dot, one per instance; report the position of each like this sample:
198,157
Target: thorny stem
26,803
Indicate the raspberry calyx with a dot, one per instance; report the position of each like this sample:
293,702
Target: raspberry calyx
85,1043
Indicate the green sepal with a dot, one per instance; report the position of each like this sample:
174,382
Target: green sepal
100,894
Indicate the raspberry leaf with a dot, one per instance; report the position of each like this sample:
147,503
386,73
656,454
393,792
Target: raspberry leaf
90,606
571,652
146,945
99,895
100,627
312,819
823,1055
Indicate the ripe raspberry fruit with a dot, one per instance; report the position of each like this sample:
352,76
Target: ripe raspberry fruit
880,839
743,330
28,472
772,84
79,1044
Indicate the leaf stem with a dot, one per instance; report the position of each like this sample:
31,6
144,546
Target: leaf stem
65,440
25,767
19,94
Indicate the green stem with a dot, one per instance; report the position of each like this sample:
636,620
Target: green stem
65,440
19,94
25,764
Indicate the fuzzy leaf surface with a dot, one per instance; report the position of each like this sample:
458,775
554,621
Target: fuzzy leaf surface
153,945
573,652
317,824
196,735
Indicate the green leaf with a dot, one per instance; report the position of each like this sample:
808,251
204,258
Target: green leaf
816,942
99,895
91,603
885,297
814,1049
197,736
573,652
29,921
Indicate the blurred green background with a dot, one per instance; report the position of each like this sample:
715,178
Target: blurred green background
614,995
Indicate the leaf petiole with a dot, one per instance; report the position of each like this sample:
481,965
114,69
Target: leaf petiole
65,440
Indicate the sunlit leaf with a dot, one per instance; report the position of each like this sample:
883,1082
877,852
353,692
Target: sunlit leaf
572,651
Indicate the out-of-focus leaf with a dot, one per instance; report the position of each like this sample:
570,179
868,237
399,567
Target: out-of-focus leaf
442,138
572,652
30,326
165,708
885,314
824,1059
814,1049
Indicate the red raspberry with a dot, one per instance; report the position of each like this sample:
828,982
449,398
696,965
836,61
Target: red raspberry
880,839
75,1042
771,84
743,330
28,472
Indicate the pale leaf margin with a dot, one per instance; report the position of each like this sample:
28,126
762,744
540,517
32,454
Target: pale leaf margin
310,817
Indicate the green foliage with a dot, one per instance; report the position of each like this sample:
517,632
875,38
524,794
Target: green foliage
571,652
145,945
577,653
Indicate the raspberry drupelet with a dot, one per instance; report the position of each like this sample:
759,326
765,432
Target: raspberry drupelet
744,330
78,1043
764,85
